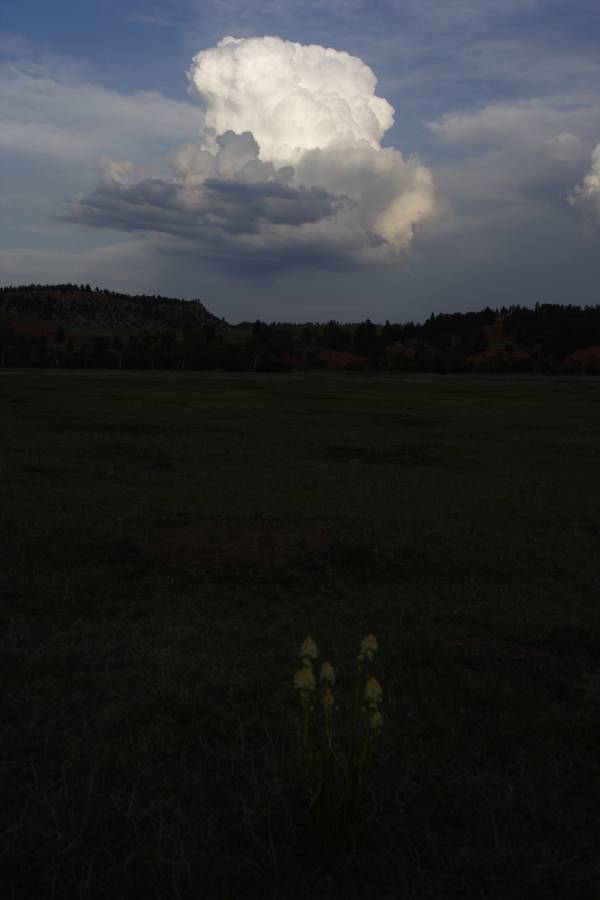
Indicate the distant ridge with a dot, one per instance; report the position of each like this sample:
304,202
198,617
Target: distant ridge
82,305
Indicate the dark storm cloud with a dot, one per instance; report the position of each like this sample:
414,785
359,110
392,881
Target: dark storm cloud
274,202
233,207
242,227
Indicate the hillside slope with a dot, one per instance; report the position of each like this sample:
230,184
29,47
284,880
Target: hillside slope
70,305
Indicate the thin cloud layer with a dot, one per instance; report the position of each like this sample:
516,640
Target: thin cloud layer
52,113
558,120
288,169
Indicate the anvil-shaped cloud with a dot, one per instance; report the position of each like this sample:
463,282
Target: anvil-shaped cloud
288,169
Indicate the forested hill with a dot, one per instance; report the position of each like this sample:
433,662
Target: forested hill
82,305
74,326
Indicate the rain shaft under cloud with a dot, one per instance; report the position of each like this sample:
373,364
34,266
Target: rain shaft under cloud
288,169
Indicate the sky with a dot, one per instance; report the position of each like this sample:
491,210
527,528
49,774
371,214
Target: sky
304,161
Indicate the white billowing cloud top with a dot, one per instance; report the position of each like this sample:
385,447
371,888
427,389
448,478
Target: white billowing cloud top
586,196
291,97
288,170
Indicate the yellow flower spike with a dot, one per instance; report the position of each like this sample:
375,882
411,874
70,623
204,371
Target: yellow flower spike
368,647
327,673
304,680
308,648
373,692
376,721
337,741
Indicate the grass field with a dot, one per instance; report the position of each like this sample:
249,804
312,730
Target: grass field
171,538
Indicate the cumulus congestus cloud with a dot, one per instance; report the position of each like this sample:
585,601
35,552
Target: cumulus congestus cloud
291,97
288,169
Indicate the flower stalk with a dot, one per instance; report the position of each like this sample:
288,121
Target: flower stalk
337,748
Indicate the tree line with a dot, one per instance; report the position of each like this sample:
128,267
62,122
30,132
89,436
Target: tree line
513,338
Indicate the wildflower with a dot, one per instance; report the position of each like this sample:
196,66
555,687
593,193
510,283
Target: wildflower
327,698
376,721
308,649
327,673
373,692
336,750
368,647
304,680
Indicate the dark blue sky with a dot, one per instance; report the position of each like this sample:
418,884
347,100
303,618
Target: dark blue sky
499,99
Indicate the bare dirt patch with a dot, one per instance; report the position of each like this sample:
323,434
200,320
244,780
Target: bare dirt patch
234,545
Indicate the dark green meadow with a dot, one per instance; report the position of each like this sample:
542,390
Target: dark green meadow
147,702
